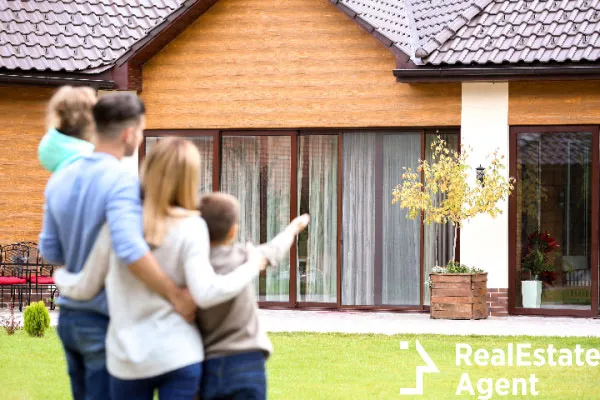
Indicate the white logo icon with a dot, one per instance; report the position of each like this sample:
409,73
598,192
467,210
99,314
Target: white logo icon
421,370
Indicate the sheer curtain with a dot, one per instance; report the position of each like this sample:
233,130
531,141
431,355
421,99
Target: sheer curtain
278,211
358,222
240,177
317,194
256,170
439,238
401,269
205,147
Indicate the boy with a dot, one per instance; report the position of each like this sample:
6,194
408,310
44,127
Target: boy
80,198
235,346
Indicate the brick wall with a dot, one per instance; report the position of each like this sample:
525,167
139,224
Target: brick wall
497,301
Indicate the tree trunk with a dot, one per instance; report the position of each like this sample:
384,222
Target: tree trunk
454,246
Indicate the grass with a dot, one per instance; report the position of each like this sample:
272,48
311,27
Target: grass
328,366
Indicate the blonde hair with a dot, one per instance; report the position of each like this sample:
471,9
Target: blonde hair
70,111
170,180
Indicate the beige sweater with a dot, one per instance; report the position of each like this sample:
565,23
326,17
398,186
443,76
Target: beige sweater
146,337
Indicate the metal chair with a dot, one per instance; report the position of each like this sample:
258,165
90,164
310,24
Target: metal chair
13,271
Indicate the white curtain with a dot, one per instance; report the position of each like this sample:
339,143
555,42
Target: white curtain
278,210
320,272
401,269
439,238
247,163
240,177
205,147
358,222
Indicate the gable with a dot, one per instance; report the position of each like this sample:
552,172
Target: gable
271,64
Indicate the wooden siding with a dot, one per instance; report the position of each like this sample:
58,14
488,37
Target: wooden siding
285,64
22,179
554,103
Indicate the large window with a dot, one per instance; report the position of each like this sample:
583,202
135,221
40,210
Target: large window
554,197
359,249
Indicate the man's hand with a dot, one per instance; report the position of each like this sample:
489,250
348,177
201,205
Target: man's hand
184,304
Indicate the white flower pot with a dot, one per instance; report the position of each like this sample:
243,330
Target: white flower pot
532,294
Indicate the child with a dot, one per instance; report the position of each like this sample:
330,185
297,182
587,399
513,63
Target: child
70,127
235,346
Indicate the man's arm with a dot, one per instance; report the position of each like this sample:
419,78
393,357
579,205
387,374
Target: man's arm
87,283
50,246
124,216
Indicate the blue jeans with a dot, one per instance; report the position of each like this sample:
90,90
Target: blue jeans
181,384
237,377
83,335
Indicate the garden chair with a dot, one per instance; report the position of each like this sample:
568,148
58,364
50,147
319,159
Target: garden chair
13,271
42,278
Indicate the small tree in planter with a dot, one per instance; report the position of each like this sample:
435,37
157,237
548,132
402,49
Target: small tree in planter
461,293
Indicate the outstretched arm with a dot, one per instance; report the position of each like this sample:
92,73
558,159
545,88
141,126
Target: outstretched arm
206,287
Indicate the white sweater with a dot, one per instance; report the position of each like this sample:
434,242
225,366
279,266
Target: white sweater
146,337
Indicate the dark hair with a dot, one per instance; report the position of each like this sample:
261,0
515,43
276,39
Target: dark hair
115,109
221,212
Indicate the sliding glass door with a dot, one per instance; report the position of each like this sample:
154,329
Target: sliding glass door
381,247
257,169
554,205
318,196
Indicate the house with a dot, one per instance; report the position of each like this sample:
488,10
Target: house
315,106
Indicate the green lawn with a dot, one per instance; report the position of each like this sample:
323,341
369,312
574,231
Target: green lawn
331,366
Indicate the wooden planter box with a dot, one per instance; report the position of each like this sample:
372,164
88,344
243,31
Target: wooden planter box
459,296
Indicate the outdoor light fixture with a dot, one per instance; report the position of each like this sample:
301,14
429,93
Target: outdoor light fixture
480,173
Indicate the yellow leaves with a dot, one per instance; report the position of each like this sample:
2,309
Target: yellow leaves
445,194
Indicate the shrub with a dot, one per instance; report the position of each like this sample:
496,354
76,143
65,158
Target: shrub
37,319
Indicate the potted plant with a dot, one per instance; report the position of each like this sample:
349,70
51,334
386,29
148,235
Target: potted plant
441,192
538,260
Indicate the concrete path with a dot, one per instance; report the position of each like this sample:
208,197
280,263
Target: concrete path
397,323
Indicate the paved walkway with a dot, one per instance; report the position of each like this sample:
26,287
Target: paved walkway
396,323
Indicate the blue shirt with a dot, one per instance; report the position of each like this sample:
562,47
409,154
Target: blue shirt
80,198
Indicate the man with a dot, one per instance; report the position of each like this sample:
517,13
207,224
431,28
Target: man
79,199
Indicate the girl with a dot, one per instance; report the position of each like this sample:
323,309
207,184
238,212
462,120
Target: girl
70,127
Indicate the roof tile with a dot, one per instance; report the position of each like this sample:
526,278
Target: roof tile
75,35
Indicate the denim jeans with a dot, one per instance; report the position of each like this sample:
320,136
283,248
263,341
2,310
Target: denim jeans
237,377
181,384
83,335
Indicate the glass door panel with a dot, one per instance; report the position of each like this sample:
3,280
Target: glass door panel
317,195
381,248
553,197
257,169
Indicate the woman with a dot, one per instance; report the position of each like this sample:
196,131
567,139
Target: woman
149,346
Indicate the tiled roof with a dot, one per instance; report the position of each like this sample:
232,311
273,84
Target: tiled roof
388,17
526,31
75,35
486,31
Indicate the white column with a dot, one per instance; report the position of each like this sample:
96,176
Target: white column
484,127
